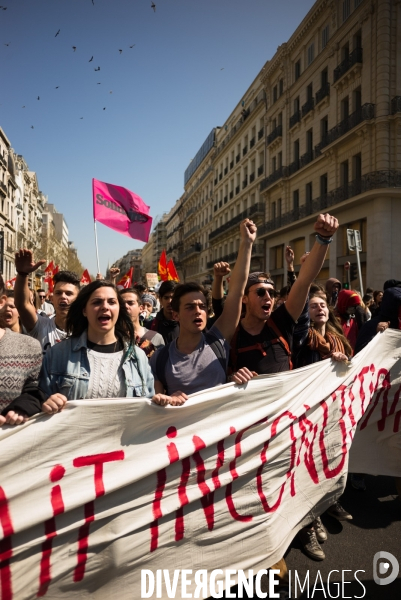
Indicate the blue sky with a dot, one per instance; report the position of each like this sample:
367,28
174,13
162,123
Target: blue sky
191,63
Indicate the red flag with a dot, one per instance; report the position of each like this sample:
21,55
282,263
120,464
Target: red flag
121,210
126,281
10,284
162,266
56,270
86,278
172,274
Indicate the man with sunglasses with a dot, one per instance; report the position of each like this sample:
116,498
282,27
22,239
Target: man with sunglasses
46,307
262,343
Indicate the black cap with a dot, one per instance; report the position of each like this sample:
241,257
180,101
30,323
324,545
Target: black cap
258,277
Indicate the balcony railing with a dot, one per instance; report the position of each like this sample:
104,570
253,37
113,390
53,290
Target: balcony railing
191,231
370,181
295,118
352,59
395,105
276,133
363,113
293,167
306,158
323,92
308,106
277,174
257,250
258,208
195,249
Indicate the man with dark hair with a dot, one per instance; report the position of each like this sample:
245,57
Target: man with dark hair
46,307
195,361
164,322
148,341
48,331
20,362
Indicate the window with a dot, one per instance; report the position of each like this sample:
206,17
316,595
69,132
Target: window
357,3
280,159
297,69
357,40
324,128
279,207
296,104
311,53
275,93
346,9
309,92
357,166
356,99
344,173
295,199
345,51
309,141
273,215
325,36
344,108
308,193
280,119
281,87
324,77
296,150
323,185
274,162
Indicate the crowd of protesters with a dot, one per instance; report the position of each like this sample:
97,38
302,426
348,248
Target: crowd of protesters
97,341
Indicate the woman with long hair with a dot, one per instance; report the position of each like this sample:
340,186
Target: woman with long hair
322,340
99,358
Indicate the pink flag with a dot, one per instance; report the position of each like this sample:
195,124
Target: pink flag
121,210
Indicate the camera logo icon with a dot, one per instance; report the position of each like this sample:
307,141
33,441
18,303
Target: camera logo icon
383,563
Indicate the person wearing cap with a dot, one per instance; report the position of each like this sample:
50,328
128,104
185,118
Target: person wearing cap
262,343
351,314
149,305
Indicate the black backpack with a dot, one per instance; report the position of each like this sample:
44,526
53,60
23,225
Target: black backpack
163,353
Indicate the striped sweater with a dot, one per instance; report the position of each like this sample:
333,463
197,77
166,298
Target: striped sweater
20,363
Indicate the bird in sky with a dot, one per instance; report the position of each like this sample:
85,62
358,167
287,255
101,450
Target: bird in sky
74,48
57,33
7,44
38,97
120,51
57,86
81,117
132,45
222,69
93,2
99,83
104,108
32,127
90,60
98,69
153,5
23,107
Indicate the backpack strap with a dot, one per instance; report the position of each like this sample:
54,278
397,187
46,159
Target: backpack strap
281,339
218,349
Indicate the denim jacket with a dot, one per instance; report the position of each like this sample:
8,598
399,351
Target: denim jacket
66,370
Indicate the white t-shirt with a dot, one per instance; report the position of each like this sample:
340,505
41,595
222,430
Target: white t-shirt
46,332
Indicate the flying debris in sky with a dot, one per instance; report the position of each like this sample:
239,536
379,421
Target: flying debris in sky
57,86
132,45
23,106
90,60
98,69
153,5
80,118
74,48
57,33
104,108
7,44
120,51
38,97
99,83
32,127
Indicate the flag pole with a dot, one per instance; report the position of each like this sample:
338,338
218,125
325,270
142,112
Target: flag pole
97,248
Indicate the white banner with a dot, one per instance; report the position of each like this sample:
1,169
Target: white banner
105,489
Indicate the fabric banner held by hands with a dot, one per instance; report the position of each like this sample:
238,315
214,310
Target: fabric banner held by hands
172,274
162,266
121,210
86,278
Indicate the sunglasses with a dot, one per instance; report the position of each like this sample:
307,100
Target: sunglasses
261,292
42,296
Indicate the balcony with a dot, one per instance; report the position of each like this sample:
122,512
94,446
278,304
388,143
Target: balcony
3,188
277,174
395,105
244,183
276,133
322,93
260,133
254,210
295,118
306,158
191,231
194,249
257,250
293,167
363,113
370,181
191,211
260,170
355,57
308,106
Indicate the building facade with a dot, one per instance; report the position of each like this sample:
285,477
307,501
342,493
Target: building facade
318,130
